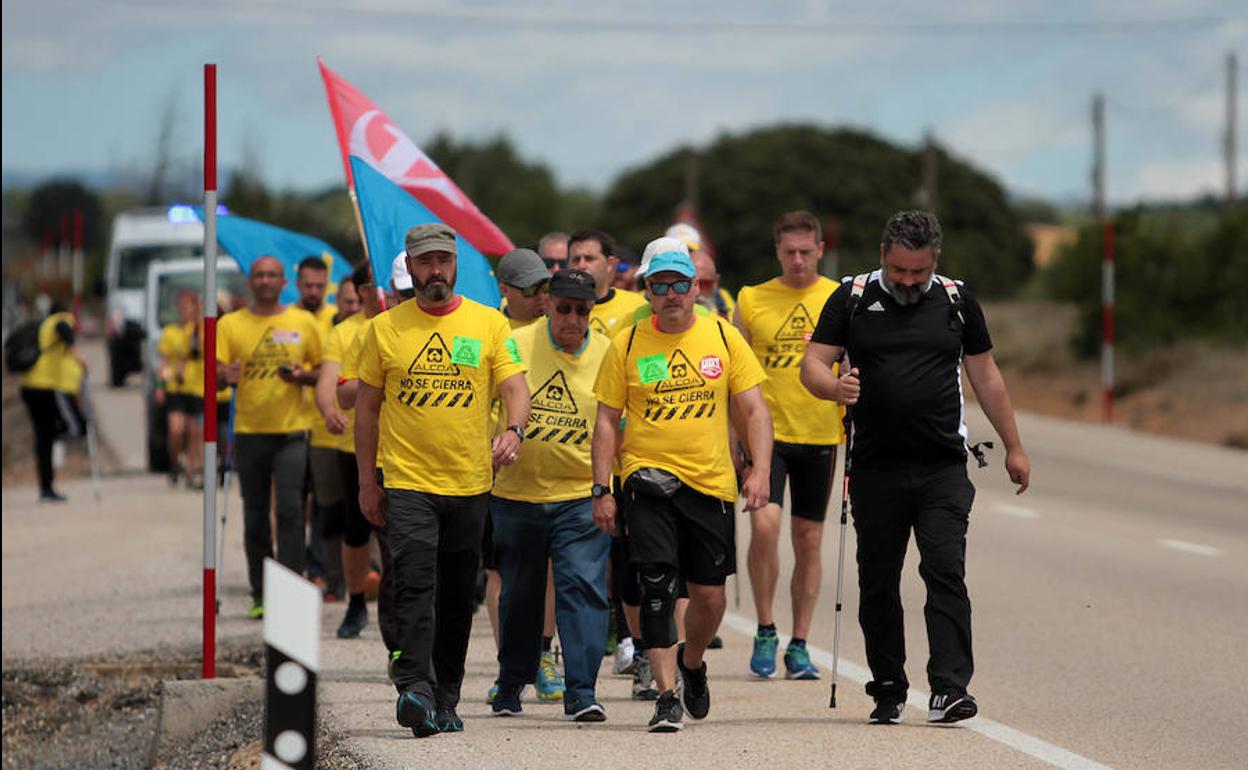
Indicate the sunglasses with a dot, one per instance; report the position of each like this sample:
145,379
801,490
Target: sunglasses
530,292
555,264
680,287
564,309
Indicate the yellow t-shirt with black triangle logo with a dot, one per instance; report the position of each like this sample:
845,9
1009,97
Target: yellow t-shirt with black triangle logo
437,373
616,312
264,402
320,436
781,320
336,345
554,460
674,390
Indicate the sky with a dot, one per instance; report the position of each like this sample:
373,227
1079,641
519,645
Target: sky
594,89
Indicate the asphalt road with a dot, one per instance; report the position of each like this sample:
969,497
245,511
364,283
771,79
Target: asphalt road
1111,603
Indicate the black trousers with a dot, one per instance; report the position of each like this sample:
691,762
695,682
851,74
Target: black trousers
52,414
277,462
934,501
435,546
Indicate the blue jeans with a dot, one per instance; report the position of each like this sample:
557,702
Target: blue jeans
525,536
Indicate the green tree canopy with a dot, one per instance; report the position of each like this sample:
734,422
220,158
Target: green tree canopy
844,176
58,198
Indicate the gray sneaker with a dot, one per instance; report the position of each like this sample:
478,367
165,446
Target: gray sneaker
643,680
668,717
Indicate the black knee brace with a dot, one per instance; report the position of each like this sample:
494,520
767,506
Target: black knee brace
658,604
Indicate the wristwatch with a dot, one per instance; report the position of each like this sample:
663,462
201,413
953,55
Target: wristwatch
516,429
599,490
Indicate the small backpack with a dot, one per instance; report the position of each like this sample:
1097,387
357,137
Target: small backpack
21,349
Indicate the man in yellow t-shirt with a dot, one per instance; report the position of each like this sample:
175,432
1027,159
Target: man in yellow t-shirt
435,360
49,389
344,530
777,318
541,509
270,352
595,252
312,283
673,378
180,386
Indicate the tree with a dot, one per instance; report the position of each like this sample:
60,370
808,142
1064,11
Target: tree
844,175
58,198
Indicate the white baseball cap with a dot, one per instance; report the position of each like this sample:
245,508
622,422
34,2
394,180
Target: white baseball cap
400,279
660,246
687,233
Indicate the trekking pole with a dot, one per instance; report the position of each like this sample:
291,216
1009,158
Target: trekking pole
840,559
225,493
88,414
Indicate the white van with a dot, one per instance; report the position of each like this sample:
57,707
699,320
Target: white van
140,238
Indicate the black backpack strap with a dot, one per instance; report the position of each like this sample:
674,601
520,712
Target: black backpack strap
723,337
631,333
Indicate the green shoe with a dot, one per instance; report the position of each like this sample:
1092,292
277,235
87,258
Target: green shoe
257,610
549,683
394,658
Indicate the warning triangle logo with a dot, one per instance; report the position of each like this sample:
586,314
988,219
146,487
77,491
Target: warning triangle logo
555,396
798,326
433,358
267,347
681,375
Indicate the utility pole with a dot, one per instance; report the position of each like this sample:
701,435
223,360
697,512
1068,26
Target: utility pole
929,172
1101,212
1232,72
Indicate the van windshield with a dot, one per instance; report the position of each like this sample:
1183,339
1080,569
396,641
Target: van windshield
231,289
134,261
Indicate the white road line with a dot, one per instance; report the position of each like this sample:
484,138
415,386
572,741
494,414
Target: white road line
1186,547
1017,511
1004,734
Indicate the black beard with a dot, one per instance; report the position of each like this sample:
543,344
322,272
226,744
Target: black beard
434,291
904,295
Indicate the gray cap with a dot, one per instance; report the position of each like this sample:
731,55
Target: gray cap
434,236
522,268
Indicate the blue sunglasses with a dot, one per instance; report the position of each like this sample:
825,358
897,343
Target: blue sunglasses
680,287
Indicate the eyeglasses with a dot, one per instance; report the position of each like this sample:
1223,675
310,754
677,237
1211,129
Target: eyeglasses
530,292
555,264
564,309
680,287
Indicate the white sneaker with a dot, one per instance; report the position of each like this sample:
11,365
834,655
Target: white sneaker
624,657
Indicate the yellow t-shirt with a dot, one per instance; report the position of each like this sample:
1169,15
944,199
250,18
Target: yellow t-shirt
265,403
554,461
437,372
781,320
674,390
350,371
56,367
336,346
616,312
320,436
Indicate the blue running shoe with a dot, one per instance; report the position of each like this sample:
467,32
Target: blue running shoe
415,712
447,720
797,663
549,684
763,661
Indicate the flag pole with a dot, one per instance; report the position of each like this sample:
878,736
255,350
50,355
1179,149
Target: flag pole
340,132
210,372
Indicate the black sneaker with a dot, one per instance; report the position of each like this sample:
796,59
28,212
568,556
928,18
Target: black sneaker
354,621
415,711
887,712
447,720
668,715
947,707
50,496
696,693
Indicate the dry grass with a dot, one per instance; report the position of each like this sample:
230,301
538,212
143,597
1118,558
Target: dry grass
1193,391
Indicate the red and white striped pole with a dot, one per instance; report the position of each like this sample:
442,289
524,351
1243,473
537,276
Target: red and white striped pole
1107,322
77,267
210,371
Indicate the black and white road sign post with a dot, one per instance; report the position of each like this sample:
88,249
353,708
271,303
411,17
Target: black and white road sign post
292,633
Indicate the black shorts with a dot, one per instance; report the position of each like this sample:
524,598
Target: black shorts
694,532
810,467
350,523
184,403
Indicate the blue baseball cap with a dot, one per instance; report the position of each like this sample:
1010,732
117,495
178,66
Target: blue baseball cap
673,261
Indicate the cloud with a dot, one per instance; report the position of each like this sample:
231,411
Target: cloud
1169,180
